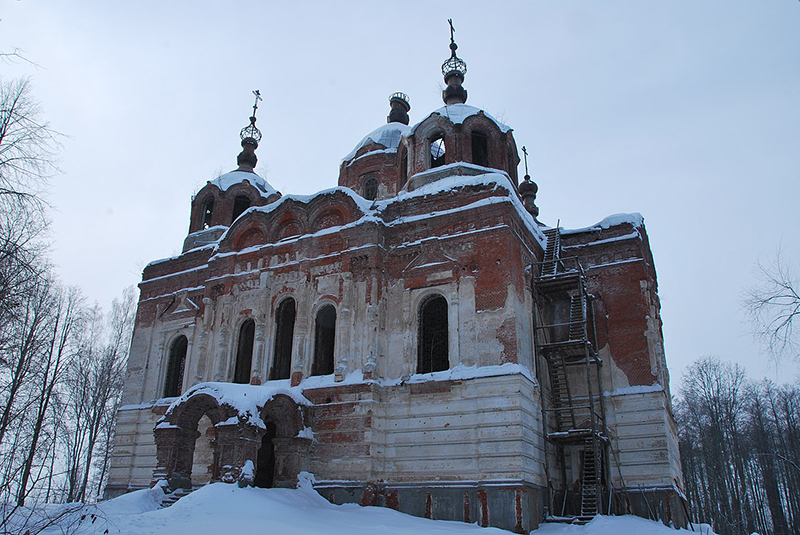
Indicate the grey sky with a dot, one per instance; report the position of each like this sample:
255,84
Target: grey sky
685,111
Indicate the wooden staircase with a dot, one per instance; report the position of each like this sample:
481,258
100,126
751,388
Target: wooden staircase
590,482
551,252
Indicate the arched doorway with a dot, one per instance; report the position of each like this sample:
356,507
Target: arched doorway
265,465
204,455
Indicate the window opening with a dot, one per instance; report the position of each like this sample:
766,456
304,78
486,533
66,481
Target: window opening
240,204
480,149
244,353
432,351
265,468
370,188
175,366
324,340
208,211
437,151
284,332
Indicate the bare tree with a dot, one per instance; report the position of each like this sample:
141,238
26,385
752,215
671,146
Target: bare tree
773,305
27,143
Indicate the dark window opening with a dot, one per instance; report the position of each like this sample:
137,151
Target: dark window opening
265,469
240,204
432,350
324,340
208,211
244,353
175,367
480,149
437,151
370,188
403,169
284,332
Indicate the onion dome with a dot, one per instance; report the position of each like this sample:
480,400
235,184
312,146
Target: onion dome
453,70
250,136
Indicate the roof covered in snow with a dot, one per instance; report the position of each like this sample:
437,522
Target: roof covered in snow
458,113
635,219
387,135
226,181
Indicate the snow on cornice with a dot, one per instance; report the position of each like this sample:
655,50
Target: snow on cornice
457,114
635,219
387,135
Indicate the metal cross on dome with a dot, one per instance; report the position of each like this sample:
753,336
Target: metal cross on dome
525,152
452,30
250,134
257,93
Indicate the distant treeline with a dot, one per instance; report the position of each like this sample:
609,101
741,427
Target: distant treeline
740,450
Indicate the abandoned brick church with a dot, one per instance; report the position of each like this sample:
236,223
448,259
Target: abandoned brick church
414,338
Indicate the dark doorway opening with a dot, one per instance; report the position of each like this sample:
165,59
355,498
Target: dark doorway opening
432,351
208,212
244,353
177,362
480,149
240,204
265,471
324,340
284,332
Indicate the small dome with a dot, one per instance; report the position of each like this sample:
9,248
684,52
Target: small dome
528,186
226,181
387,135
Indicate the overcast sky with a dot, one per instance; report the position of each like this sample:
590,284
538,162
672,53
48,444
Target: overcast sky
686,111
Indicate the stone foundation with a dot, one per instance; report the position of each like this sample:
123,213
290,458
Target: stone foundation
518,507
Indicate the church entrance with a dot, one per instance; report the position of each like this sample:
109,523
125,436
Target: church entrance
265,466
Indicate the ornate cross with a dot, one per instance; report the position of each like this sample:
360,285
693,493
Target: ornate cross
452,30
525,152
257,93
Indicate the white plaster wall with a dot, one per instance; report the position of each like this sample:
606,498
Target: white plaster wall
643,441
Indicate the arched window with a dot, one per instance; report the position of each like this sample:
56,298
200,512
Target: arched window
437,151
240,204
284,332
244,352
175,366
403,168
432,349
208,211
480,148
324,339
370,188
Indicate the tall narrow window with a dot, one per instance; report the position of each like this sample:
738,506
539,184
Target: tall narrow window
240,204
175,366
324,339
403,169
370,188
432,351
208,211
244,352
284,332
437,151
480,148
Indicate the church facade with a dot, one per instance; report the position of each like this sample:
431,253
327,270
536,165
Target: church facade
414,338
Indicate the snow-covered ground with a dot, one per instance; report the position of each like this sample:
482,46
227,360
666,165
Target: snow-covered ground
223,508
